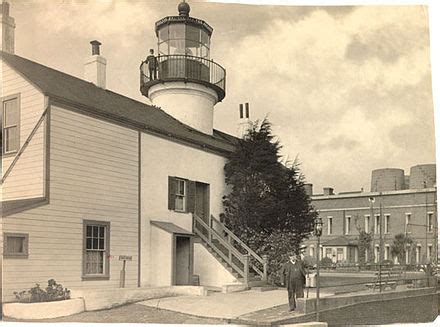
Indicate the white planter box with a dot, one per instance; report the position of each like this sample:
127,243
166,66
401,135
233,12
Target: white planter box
43,310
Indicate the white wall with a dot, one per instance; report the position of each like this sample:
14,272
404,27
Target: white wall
26,180
93,176
191,103
211,272
162,158
160,262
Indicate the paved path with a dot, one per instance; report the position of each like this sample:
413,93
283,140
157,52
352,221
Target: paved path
226,306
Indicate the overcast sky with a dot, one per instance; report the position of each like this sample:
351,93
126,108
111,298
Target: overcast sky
348,89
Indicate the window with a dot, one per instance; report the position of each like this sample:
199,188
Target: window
387,224
96,249
367,223
328,253
377,224
418,250
366,255
430,222
11,124
16,245
181,194
312,251
407,223
347,225
339,254
387,255
376,254
429,254
407,255
179,201
329,225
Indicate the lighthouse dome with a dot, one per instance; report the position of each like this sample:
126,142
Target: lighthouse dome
183,8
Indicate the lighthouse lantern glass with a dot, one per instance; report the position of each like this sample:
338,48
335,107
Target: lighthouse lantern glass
181,39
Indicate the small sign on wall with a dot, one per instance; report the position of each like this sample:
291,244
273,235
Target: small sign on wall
125,257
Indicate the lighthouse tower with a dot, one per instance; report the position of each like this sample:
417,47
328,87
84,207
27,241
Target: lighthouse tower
188,83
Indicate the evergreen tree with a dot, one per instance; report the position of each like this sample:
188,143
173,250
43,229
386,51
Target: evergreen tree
267,198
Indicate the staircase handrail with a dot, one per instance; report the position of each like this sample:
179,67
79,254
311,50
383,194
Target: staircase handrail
242,258
237,239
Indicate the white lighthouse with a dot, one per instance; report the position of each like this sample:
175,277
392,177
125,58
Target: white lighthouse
188,84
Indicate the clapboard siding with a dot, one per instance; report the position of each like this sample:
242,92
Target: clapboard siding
93,176
26,179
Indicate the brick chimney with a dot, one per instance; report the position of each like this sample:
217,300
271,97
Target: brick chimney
95,66
244,123
8,29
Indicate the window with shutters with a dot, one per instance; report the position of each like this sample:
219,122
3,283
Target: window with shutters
16,245
11,124
96,249
181,194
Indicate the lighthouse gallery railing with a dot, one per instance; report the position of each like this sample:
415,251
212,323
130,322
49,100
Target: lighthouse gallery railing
187,68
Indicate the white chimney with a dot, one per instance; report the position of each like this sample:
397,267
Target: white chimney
8,29
244,123
95,66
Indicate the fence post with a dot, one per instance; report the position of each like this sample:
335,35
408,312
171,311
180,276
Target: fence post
246,268
265,263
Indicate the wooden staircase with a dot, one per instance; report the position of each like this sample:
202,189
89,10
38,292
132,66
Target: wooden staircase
243,263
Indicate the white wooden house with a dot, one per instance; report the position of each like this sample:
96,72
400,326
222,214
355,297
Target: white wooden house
90,177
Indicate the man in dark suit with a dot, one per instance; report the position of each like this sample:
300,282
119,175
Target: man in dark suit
293,274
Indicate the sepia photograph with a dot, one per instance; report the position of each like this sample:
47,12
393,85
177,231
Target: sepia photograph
211,162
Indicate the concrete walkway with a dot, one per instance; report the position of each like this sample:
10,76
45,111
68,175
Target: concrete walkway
225,306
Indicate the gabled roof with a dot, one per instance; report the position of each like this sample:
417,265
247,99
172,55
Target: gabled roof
76,92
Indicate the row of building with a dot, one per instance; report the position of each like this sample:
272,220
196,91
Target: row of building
404,204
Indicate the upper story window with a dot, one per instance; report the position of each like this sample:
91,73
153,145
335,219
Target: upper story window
430,222
387,224
377,224
11,124
181,194
347,225
329,225
407,223
367,223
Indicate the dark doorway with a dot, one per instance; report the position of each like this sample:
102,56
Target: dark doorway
183,260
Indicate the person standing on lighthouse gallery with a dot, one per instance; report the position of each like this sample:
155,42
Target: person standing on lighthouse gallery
293,276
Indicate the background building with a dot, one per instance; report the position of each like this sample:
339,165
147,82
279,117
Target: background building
405,204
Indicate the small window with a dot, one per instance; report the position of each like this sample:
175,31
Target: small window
377,224
330,225
367,223
408,223
96,249
180,195
11,124
430,226
16,245
387,224
348,225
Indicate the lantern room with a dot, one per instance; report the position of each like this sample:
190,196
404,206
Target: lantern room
183,35
180,77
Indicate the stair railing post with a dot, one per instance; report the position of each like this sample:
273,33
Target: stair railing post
265,258
230,246
246,268
210,229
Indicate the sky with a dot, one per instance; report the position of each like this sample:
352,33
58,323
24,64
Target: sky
347,89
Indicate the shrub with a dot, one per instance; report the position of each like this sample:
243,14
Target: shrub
53,292
326,262
388,263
